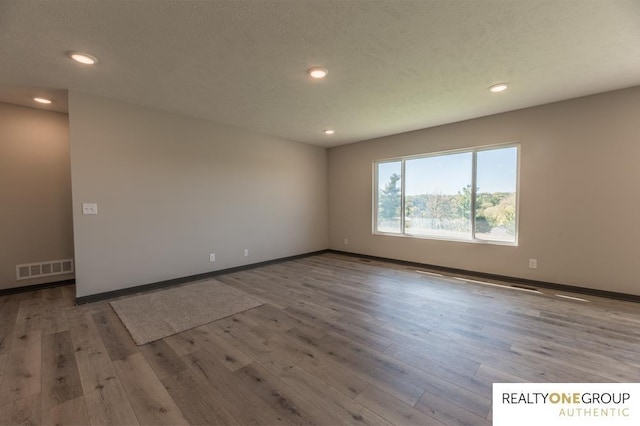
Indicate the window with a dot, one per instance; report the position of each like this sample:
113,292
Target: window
389,196
465,195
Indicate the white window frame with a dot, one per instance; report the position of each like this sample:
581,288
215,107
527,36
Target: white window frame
474,151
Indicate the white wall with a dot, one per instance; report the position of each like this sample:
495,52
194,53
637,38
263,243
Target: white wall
579,193
171,189
35,192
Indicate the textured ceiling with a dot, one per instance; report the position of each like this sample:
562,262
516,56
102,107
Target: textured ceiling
394,66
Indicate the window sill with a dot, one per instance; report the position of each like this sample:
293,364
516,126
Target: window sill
449,239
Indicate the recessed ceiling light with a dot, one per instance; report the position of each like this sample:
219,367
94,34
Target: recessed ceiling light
499,87
329,132
318,72
42,100
83,58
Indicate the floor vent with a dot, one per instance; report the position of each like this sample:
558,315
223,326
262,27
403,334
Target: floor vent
44,269
523,287
429,273
509,286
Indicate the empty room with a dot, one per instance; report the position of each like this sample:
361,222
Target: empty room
320,212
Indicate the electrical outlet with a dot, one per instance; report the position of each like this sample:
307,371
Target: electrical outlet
89,208
533,263
212,257
346,241
246,252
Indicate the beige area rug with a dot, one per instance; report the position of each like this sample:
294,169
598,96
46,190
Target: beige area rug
153,316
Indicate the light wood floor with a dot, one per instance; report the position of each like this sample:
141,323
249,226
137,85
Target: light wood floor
339,341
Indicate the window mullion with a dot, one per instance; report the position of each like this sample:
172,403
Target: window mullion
474,180
376,196
402,196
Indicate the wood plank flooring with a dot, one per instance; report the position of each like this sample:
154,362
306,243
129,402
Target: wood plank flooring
340,340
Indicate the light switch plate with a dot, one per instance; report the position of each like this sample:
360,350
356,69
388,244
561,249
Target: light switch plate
89,208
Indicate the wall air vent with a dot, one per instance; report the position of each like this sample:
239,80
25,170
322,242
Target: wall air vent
44,269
